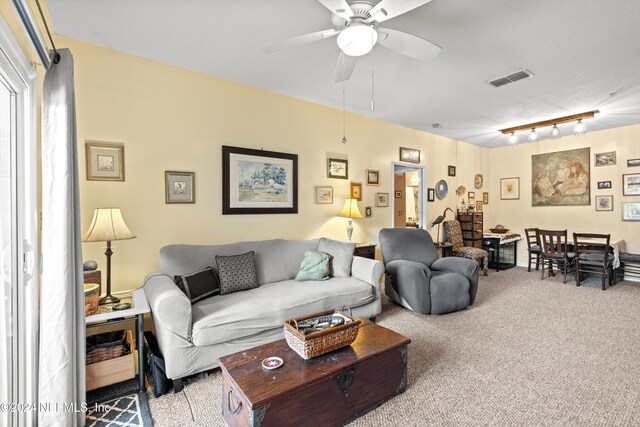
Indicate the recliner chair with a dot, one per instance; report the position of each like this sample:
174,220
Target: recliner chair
416,279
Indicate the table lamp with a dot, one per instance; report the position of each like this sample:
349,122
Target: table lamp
108,225
350,210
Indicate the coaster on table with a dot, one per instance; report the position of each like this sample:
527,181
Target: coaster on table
272,362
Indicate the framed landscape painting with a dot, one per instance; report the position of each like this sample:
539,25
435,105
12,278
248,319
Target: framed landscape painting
631,184
410,155
258,181
604,159
631,211
324,195
561,178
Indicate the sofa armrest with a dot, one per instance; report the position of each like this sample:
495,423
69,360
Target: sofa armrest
170,307
465,266
368,270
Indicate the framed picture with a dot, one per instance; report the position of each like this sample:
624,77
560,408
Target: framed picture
561,178
510,188
604,159
338,168
105,161
479,206
355,191
604,203
431,194
603,185
633,162
631,184
179,187
409,155
373,177
478,181
324,195
472,197
398,194
451,170
382,200
485,198
258,181
631,211
367,211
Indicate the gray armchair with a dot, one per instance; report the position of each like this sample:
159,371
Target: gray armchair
416,279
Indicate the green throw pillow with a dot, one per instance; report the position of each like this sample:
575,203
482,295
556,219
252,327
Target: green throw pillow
314,266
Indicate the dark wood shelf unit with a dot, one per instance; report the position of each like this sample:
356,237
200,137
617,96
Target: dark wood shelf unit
471,225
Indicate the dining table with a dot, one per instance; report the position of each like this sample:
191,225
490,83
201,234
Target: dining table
616,244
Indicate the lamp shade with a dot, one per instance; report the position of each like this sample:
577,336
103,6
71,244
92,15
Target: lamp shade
350,209
357,39
107,225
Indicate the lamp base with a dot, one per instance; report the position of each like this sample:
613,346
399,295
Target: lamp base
108,299
349,230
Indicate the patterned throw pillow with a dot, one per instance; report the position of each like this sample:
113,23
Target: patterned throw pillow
314,266
199,285
237,273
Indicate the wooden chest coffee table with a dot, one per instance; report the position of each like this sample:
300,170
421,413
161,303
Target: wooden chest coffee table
328,390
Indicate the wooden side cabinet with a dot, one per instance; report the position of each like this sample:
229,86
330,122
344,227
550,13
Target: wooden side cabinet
365,250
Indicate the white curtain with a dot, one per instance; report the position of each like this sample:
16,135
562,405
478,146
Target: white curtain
62,322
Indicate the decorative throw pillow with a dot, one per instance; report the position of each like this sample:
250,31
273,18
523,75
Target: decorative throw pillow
237,273
199,285
341,256
314,266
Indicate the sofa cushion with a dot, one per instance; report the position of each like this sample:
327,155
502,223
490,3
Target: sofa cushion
237,273
314,266
275,260
341,256
227,317
199,285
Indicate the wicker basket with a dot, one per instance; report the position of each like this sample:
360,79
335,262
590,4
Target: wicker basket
321,342
106,346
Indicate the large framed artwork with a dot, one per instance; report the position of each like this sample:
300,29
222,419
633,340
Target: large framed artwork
561,178
258,181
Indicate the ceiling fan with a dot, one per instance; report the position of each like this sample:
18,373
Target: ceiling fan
356,23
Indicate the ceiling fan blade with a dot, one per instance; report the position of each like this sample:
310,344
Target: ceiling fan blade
344,67
408,44
338,7
388,9
300,40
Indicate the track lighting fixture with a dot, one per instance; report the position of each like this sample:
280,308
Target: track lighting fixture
579,129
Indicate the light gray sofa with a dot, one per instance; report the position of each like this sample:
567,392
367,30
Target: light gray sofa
193,337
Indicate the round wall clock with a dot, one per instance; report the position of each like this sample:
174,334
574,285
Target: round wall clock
442,189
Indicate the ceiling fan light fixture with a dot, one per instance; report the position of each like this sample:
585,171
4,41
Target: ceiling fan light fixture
357,39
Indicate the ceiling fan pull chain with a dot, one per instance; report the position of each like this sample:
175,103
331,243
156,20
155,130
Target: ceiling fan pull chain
373,97
344,120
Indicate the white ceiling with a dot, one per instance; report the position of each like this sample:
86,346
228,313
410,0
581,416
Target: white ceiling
585,55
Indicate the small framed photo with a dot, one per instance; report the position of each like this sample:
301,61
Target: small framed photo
604,203
355,191
604,185
479,206
631,211
338,168
633,162
382,200
431,194
604,159
510,188
452,170
367,211
631,184
485,198
324,195
398,194
478,181
179,187
409,155
373,177
105,161
472,197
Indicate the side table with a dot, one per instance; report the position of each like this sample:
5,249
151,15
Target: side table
136,313
445,247
365,250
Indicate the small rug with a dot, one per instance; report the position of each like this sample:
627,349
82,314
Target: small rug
118,405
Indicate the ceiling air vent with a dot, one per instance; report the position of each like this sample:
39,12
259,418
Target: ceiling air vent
519,75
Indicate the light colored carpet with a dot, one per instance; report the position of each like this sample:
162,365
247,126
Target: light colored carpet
528,353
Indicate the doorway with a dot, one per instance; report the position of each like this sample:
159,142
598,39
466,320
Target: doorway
408,197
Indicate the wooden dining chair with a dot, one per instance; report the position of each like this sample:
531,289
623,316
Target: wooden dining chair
592,256
553,248
533,246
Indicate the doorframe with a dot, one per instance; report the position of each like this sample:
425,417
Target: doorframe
422,204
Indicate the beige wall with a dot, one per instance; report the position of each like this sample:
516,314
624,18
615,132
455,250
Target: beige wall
519,214
174,119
